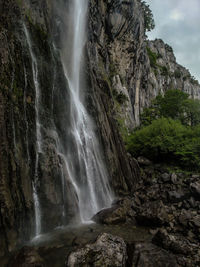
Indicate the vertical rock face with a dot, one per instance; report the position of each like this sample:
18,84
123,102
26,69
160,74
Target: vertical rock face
18,120
114,37
30,59
161,72
133,69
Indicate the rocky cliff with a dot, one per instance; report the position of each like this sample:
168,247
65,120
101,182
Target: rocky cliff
124,73
135,69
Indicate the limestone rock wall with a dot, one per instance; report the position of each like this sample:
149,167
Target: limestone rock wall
161,72
18,118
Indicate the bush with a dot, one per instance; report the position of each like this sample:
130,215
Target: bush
152,58
167,140
159,138
177,74
174,104
149,23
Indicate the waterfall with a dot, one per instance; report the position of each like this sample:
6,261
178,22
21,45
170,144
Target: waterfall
25,114
83,187
83,159
38,134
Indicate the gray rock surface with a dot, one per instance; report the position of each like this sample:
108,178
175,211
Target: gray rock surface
108,250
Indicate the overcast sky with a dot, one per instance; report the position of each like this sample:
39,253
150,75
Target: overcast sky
178,24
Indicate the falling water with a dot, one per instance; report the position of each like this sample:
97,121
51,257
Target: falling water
25,114
83,175
38,135
83,159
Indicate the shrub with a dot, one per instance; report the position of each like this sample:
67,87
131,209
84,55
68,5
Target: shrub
177,74
157,139
167,140
149,23
174,104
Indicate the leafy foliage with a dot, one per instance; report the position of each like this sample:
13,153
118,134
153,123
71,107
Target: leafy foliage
167,140
149,23
152,57
170,131
174,104
153,62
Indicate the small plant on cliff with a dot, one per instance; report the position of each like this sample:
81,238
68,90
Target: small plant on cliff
152,57
149,23
194,81
153,62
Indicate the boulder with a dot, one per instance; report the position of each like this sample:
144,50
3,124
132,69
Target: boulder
149,255
108,250
165,177
178,196
176,244
121,212
174,178
195,188
144,161
153,214
27,257
196,221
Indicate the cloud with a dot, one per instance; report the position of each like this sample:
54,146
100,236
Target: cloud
176,15
178,24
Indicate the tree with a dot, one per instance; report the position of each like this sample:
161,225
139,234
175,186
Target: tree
169,141
175,104
192,111
171,105
149,23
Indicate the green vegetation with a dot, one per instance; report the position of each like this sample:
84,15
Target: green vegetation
177,74
170,131
194,81
176,105
153,62
152,57
120,97
149,23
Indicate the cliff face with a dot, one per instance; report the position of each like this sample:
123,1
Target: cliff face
122,80
30,62
161,72
17,113
134,69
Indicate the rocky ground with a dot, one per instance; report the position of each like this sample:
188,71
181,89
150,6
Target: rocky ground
158,226
169,204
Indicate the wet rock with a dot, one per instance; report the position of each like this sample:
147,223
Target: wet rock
184,217
196,221
165,177
195,176
149,255
174,178
153,214
176,244
177,196
192,202
195,188
144,161
27,257
108,250
121,212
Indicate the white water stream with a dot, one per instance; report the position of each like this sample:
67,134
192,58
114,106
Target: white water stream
83,171
91,182
38,134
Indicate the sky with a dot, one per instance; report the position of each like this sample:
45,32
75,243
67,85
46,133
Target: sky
178,24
